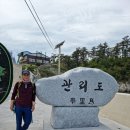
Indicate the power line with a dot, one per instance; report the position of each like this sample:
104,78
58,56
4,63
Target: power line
38,25
40,22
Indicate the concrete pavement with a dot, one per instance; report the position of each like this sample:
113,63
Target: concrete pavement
41,119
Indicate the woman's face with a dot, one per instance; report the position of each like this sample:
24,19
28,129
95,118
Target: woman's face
26,77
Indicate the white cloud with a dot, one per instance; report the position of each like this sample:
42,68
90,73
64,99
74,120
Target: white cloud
79,22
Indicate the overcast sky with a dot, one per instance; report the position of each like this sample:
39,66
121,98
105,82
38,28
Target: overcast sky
81,23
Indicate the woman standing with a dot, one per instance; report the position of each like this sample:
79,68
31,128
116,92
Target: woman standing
23,97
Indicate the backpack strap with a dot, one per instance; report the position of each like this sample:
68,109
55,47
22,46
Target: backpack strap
19,84
33,87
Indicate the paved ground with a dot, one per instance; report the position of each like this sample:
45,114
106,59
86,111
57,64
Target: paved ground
43,112
41,116
118,109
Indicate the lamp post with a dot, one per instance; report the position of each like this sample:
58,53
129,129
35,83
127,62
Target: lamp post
59,46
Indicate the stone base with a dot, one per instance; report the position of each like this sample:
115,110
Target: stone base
74,117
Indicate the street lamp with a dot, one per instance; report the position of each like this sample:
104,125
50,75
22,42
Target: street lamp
59,46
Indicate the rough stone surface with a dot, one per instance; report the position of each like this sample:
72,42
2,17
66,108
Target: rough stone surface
124,87
74,117
68,89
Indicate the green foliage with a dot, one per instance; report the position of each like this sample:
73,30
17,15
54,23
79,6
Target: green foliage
47,71
2,71
115,61
29,67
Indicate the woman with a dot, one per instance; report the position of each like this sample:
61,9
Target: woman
23,97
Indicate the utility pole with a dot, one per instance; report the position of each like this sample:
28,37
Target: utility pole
45,58
59,46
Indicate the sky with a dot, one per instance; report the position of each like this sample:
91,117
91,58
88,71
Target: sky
81,23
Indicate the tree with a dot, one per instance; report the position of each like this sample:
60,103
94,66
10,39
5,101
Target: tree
76,57
116,51
83,56
66,63
93,52
102,50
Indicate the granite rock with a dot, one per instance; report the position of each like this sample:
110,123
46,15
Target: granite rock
77,87
74,117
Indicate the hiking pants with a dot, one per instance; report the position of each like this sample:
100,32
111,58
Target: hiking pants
25,114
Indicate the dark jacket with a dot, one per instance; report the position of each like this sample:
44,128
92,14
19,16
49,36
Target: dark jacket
24,94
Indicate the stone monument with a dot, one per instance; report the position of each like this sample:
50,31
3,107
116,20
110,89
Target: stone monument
76,95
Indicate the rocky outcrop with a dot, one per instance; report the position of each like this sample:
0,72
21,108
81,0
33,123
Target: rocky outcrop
124,87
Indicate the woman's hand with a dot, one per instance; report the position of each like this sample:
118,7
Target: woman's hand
11,105
33,106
